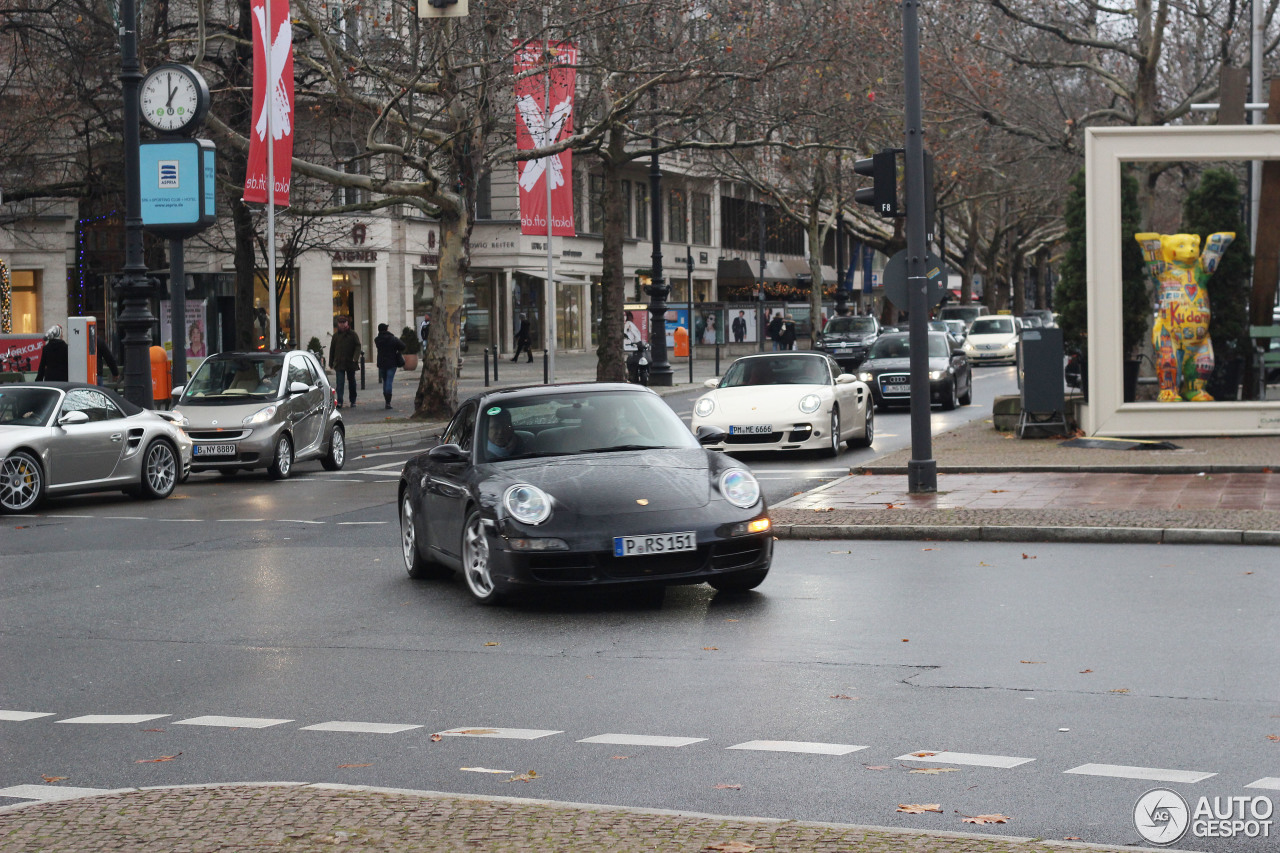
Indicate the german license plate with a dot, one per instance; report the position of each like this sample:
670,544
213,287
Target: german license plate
897,389
657,543
215,450
754,429
843,350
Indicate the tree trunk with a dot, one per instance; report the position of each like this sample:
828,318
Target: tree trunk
246,257
610,363
437,394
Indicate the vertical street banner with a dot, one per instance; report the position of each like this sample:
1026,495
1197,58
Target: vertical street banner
273,97
543,120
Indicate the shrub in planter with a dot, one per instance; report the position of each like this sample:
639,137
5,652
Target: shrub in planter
411,348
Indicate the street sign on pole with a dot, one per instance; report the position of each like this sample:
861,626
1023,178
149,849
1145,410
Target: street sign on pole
895,280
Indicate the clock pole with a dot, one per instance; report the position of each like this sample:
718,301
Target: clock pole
133,286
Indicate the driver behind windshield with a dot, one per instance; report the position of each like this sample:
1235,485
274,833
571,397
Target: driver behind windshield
501,440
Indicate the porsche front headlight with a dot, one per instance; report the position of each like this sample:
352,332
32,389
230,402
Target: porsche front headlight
704,407
739,488
262,416
527,504
810,403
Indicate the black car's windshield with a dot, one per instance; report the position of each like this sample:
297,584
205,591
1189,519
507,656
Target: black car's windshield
778,370
899,346
27,406
850,326
235,380
572,422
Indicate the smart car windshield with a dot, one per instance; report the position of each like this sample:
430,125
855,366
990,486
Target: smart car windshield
235,380
782,370
850,325
569,423
27,406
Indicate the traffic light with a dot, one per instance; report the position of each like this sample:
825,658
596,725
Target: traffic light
882,168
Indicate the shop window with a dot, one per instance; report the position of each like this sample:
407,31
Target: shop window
628,218
595,223
702,219
25,301
676,230
642,211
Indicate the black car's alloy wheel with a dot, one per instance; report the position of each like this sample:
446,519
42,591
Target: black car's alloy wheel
475,560
159,471
21,483
967,397
949,400
282,462
418,567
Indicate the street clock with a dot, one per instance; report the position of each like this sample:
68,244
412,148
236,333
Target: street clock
174,99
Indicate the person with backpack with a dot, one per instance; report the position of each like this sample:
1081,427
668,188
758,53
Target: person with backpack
389,349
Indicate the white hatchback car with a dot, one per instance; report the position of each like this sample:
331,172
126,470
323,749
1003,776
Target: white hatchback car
786,401
993,338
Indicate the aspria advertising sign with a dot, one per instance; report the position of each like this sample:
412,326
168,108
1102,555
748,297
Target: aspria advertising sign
176,186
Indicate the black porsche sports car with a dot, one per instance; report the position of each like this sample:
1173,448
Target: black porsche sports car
577,485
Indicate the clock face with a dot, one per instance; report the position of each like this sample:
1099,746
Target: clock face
172,98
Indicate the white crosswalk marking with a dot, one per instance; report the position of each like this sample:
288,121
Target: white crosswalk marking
19,716
1150,774
642,740
232,722
969,758
371,728
114,718
490,731
798,746
1271,783
50,793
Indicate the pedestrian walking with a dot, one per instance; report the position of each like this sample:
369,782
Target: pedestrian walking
423,328
787,333
390,356
775,331
344,353
53,357
522,340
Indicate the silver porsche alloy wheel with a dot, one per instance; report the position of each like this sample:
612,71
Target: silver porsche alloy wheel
869,431
159,471
475,560
21,483
833,441
282,463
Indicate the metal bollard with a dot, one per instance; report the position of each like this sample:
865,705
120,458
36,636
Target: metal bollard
495,362
361,370
717,359
486,368
546,368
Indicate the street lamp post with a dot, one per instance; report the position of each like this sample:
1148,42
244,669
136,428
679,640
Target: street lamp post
134,286
660,372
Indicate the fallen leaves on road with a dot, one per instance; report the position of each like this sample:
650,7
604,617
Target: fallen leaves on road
711,648
478,732
728,787
52,779
842,696
1085,671
620,757
1030,661
928,549
157,760
980,563
436,738
525,777
876,766
923,754
493,644
1273,737
998,491
1071,838
731,847
919,808
1121,690
1026,556
153,730
905,640
344,766
934,771
987,818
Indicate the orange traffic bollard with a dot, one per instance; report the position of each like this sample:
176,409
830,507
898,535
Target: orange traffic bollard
160,377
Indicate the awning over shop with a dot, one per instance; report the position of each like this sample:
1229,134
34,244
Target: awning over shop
777,271
561,277
797,267
734,272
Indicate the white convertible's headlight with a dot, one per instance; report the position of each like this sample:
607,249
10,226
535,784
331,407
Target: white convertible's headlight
739,487
262,416
704,407
810,403
865,376
527,504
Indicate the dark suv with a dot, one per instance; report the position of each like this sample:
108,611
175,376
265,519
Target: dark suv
847,339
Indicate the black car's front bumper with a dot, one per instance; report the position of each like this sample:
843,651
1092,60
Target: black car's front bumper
939,389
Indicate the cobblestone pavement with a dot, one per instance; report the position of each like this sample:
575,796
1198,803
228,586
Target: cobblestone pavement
294,818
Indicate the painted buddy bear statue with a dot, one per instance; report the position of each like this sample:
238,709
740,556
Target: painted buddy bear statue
1184,353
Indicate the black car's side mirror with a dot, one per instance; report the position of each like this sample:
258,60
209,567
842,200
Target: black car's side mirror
707,434
448,453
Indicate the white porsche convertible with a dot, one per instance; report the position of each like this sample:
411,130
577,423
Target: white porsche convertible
787,401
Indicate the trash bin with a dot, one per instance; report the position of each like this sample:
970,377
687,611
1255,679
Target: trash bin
1040,368
161,377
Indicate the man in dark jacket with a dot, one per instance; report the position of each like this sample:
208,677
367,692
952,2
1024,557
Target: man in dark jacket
344,355
787,333
522,340
53,358
389,348
775,331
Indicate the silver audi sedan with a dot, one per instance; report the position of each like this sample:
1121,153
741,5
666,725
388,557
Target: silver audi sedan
247,410
62,438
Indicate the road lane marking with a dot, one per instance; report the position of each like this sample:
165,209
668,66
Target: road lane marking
241,520
487,770
299,521
491,731
642,740
798,746
108,719
1271,783
1150,774
232,722
19,716
355,523
970,758
52,793
369,728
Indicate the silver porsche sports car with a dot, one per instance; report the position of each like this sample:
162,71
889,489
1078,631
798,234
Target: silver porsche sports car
61,438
